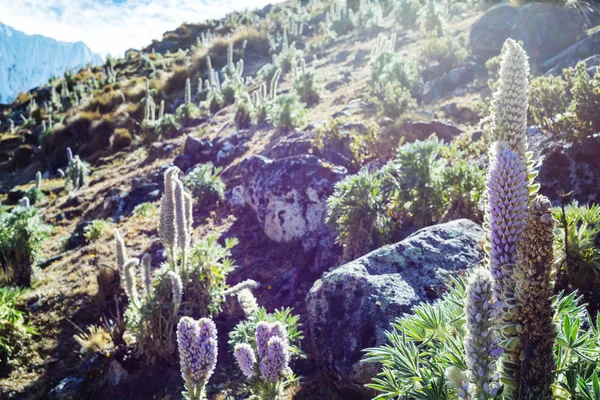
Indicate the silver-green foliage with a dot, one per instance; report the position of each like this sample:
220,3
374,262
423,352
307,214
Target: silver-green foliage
205,184
77,172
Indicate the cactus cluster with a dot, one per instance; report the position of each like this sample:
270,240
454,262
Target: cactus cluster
77,171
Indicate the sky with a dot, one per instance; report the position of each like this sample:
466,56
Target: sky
113,26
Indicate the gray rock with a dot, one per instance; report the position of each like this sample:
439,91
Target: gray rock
235,196
201,150
448,82
490,31
586,47
547,29
350,308
446,130
288,195
570,167
67,389
116,373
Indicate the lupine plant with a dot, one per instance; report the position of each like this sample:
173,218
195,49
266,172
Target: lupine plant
266,364
549,345
197,343
190,283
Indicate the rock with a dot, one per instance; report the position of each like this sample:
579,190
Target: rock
448,82
569,57
571,167
116,373
288,195
446,130
490,31
144,193
547,29
67,389
235,196
184,162
296,144
14,195
461,113
77,238
22,157
321,249
201,150
351,307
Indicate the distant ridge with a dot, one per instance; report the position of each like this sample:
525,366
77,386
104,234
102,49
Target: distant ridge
28,61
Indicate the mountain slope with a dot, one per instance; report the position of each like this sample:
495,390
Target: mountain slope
29,61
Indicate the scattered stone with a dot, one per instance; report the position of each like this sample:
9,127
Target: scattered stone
77,238
67,389
288,195
116,373
14,195
585,48
445,84
351,307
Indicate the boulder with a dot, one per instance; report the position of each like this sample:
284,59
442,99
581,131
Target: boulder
445,130
490,31
586,47
200,150
547,29
448,82
351,307
566,167
289,195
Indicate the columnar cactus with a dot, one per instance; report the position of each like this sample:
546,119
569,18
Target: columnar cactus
38,180
120,252
188,91
197,342
146,271
166,222
130,283
76,172
177,290
482,340
161,110
182,227
533,291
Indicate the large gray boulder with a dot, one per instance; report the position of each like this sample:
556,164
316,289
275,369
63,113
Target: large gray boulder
547,29
583,49
289,196
351,307
490,31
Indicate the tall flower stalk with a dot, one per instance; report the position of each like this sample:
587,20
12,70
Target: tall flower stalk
197,342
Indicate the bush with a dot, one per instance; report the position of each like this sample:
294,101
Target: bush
205,184
121,138
430,19
13,326
34,195
186,113
578,250
144,210
394,100
567,104
287,113
390,67
231,89
406,11
167,126
266,72
447,51
357,211
243,113
308,85
22,233
97,229
413,182
215,100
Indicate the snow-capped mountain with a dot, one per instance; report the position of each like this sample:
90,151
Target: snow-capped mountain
29,61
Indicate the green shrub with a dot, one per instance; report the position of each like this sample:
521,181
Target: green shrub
144,210
243,113
388,67
394,100
567,105
308,84
98,229
245,330
287,113
329,134
266,72
464,186
205,184
427,347
231,89
22,233
357,211
14,328
447,51
430,19
186,113
406,11
413,182
167,126
577,249
34,195
215,100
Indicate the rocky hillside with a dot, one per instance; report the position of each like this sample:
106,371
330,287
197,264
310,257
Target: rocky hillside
28,61
328,158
